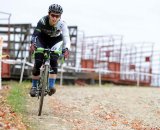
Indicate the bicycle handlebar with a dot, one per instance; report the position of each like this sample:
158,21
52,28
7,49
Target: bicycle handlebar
44,49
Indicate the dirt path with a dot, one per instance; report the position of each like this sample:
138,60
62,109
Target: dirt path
98,108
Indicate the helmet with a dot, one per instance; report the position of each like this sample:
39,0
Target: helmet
55,8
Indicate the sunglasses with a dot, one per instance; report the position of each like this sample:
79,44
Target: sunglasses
54,15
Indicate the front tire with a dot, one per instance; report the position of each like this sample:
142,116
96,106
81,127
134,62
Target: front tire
44,83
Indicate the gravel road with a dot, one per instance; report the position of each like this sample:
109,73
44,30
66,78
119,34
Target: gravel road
97,108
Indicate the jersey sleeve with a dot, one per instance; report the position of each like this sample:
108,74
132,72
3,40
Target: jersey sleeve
66,36
36,32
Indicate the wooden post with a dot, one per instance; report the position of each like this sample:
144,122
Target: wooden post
1,42
23,67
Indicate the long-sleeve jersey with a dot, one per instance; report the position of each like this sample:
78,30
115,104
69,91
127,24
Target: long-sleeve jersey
45,31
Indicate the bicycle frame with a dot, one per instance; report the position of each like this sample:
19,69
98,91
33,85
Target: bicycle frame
43,87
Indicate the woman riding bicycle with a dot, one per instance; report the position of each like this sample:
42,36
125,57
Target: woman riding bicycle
51,32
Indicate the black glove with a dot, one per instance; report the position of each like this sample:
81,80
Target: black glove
65,52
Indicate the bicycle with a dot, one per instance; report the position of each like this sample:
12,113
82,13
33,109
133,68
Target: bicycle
43,88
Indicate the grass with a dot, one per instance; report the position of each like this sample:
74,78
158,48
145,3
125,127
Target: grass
17,99
17,96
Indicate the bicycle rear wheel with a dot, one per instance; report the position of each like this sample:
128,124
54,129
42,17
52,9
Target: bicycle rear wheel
44,83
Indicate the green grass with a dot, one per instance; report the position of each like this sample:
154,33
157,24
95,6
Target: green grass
17,99
17,96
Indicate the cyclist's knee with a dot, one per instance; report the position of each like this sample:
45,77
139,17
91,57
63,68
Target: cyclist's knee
36,71
53,63
54,67
53,70
39,57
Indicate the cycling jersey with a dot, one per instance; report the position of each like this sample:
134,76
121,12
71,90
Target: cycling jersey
47,32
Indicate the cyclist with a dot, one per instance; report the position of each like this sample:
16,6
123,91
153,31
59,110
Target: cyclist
50,32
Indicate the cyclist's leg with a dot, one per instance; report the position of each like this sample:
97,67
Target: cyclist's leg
36,69
53,71
54,63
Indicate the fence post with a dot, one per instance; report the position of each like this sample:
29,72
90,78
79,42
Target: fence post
1,42
138,78
100,78
61,76
23,67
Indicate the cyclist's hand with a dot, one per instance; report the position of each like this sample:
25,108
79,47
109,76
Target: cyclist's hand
65,52
32,47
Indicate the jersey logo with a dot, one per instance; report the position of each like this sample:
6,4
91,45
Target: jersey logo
52,33
43,21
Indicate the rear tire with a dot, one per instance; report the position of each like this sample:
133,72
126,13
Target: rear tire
44,83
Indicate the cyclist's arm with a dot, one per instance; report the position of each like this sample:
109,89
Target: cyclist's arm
37,32
66,37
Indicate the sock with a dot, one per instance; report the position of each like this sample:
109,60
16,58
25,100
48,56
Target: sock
51,82
34,83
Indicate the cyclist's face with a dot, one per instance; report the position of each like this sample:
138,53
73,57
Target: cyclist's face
53,18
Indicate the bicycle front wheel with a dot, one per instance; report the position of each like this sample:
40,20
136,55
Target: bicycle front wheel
44,83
